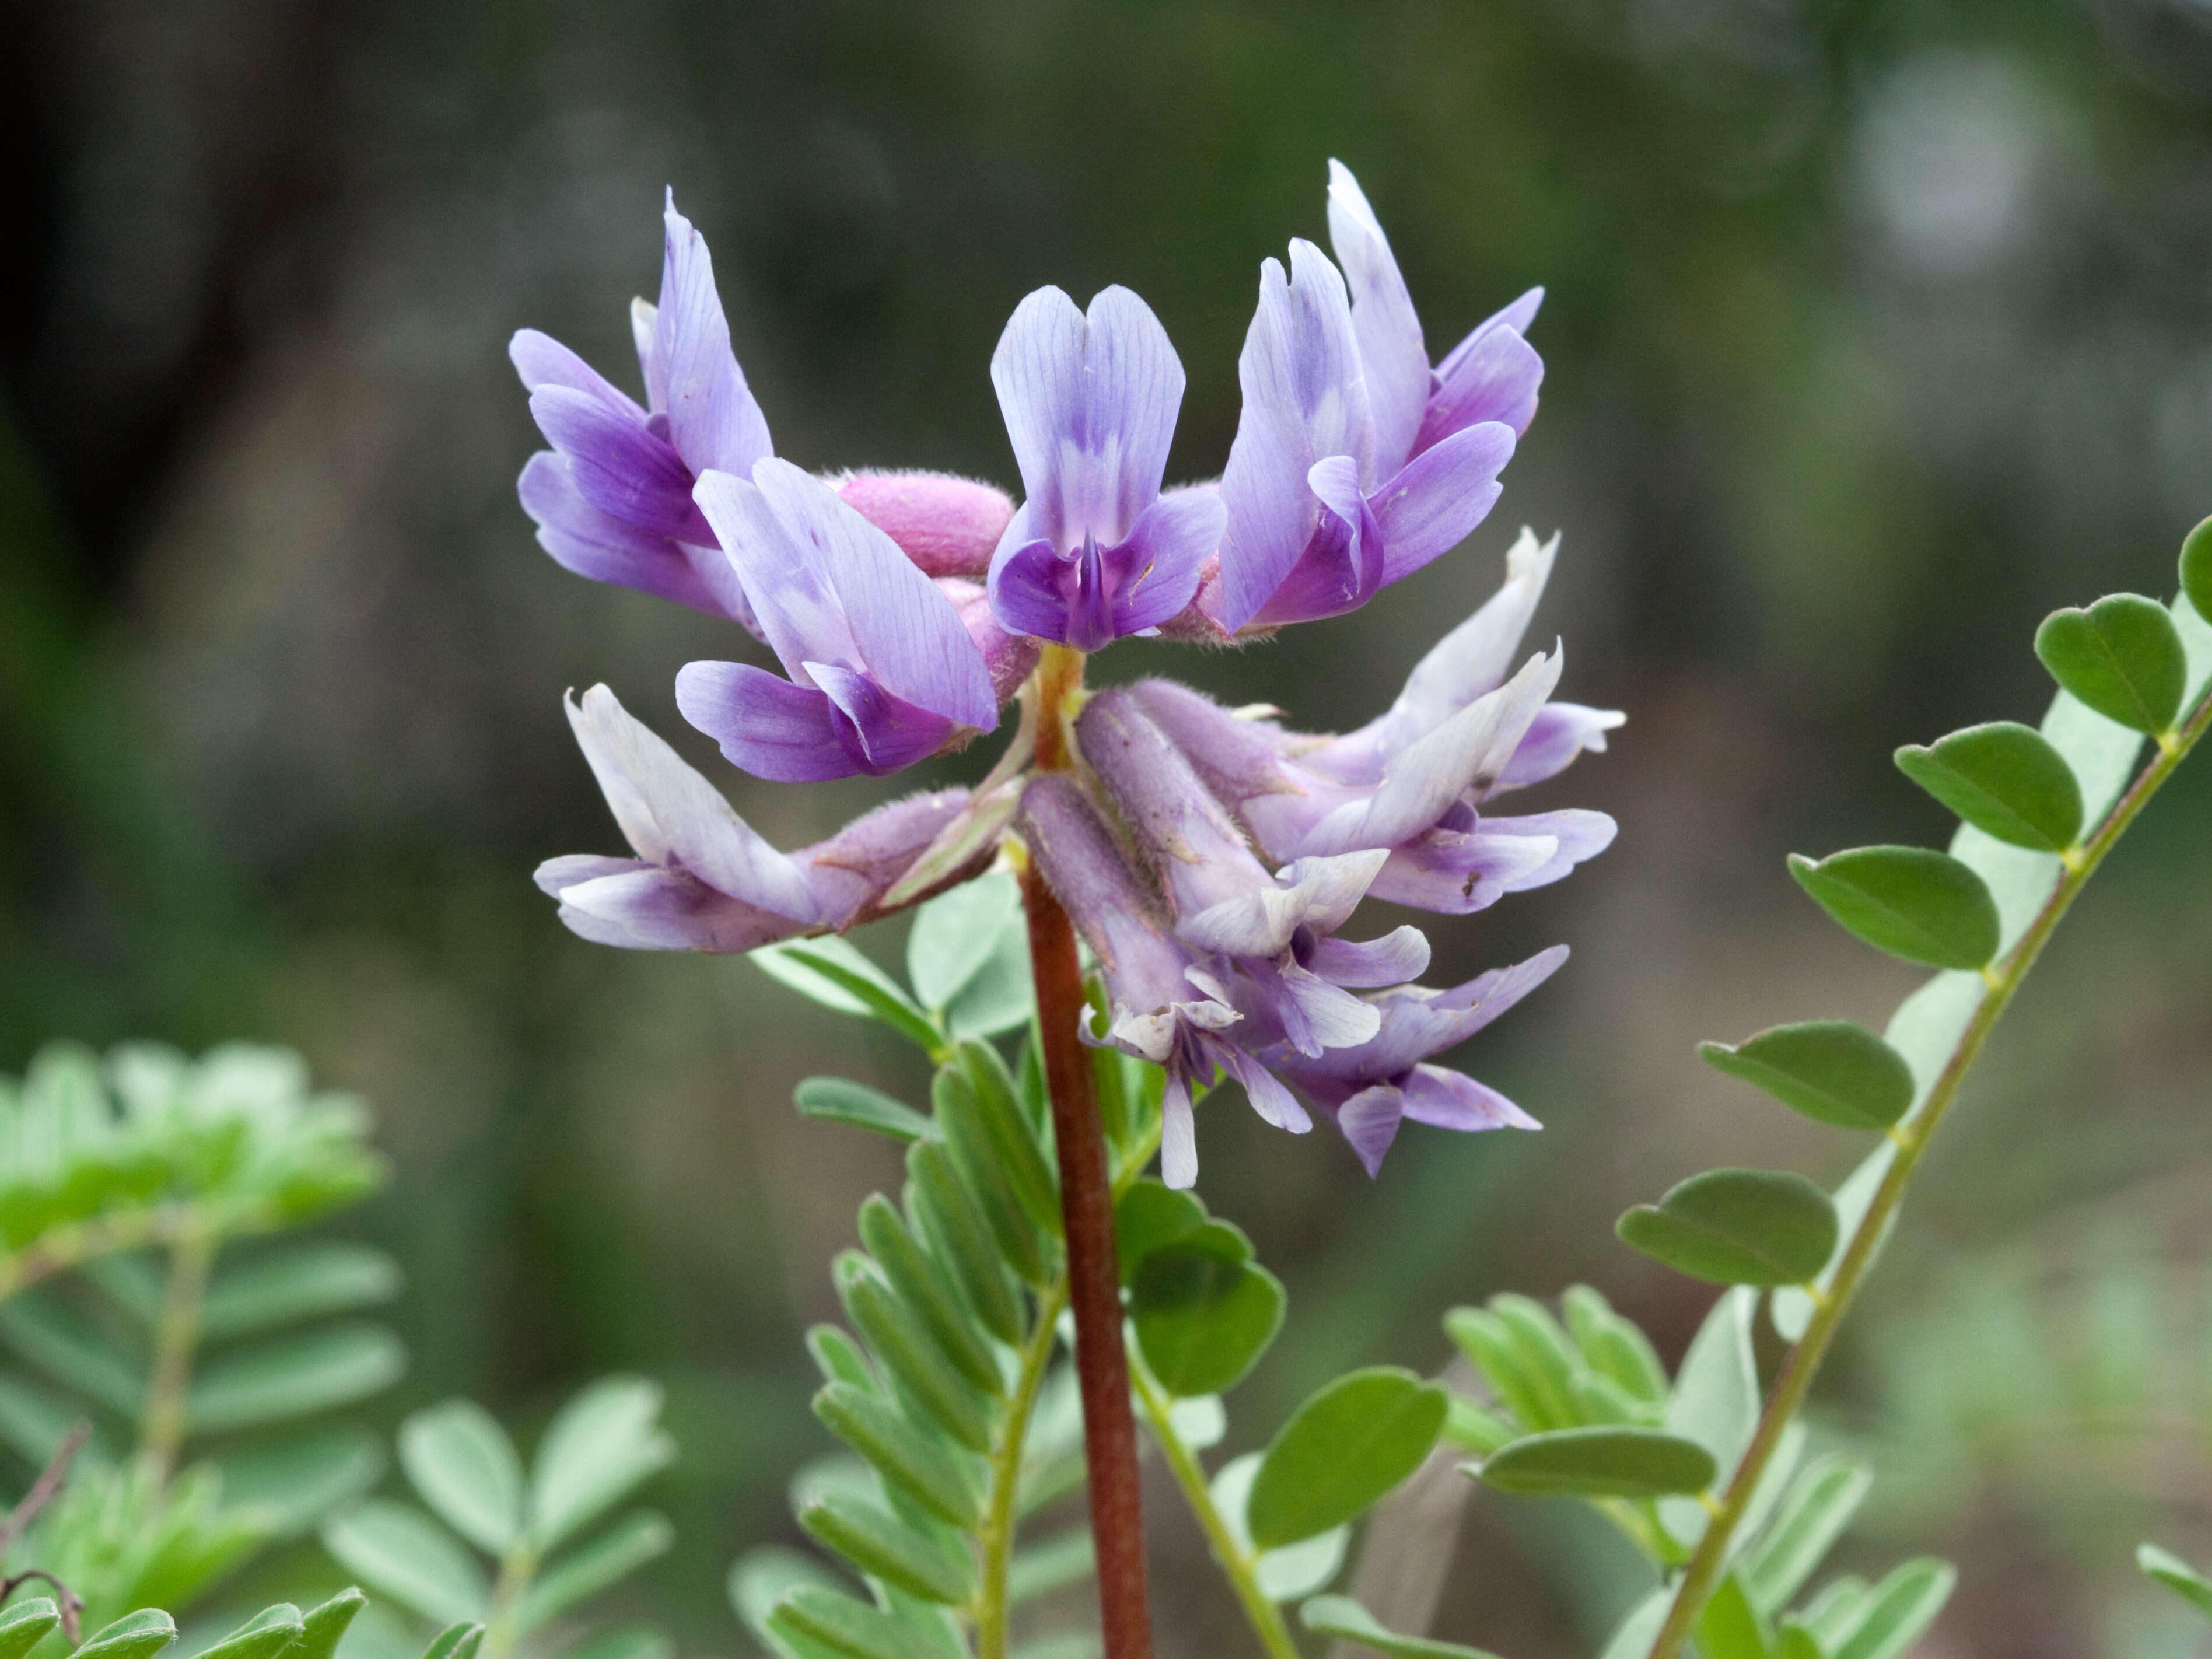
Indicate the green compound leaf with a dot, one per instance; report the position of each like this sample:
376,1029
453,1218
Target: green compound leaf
833,973
919,1281
2170,1571
460,1640
828,1621
2004,779
1923,906
2122,657
1599,1462
464,1467
27,1623
839,1100
1818,1506
1344,1450
598,1446
605,1558
874,1541
1343,1618
1203,1319
2196,568
134,1635
281,1287
294,1375
1737,1227
1831,1069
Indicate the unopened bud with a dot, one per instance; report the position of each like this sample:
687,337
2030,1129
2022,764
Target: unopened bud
948,526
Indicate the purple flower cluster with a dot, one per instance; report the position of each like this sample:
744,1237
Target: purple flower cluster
1209,858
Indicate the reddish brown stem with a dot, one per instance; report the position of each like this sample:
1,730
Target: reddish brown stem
1086,1207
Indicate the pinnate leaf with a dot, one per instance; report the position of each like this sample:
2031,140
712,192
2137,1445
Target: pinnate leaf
1343,1618
1203,1317
2122,656
603,1559
1599,1462
922,1467
1344,1449
460,1640
836,1623
1831,1069
840,1100
294,1375
1737,1227
1923,906
2169,1569
1819,1506
300,1283
2004,779
1892,1615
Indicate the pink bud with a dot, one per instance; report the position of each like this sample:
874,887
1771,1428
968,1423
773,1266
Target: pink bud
1008,656
948,526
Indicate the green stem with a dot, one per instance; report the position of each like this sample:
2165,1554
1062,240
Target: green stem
999,1521
1239,1563
1803,1363
516,1569
176,1339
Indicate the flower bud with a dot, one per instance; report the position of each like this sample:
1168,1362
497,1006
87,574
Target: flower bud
948,526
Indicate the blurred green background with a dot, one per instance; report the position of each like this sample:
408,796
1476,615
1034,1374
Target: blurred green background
1874,333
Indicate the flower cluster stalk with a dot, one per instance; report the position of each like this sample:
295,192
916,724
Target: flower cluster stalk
1702,1573
1087,1205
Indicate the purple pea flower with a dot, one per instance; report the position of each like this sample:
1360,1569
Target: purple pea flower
1370,1089
705,880
1413,781
1276,931
612,498
1165,1001
882,669
1090,399
1355,463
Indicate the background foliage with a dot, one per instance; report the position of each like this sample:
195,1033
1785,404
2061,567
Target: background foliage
1876,332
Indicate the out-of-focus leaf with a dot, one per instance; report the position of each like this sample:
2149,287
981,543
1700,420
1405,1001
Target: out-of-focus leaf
134,1635
1894,1613
1052,1565
1484,1338
2167,1569
1923,906
1203,1321
1831,1069
298,1282
956,932
763,1577
292,1375
1728,1628
1599,1462
625,1642
1738,1227
1813,1516
601,1561
1613,1346
2122,656
1633,1637
456,1641
1472,1428
1347,1446
874,1541
812,966
1343,1618
2006,779
839,1100
600,1446
294,1482
59,1340
400,1551
1715,1400
1287,1571
464,1466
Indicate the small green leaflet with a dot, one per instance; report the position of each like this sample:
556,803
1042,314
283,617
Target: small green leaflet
1341,1617
2005,778
1345,1449
968,957
2170,1571
1203,1318
840,1100
2196,568
134,1635
1831,1069
27,1623
1599,1462
1151,1214
1737,1227
2122,657
1923,906
832,972
463,1464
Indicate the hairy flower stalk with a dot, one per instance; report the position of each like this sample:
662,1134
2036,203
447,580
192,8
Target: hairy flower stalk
1213,864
